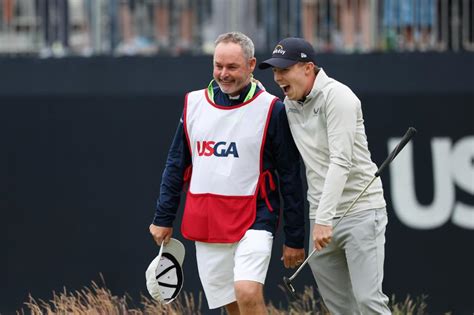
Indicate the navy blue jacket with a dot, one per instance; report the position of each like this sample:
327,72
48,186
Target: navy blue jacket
280,156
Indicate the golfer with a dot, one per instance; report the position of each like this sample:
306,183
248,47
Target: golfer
326,121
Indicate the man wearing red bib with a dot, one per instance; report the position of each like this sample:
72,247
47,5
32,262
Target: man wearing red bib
232,141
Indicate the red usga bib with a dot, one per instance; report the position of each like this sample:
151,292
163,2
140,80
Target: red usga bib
226,145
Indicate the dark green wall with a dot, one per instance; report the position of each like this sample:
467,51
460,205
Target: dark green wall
83,144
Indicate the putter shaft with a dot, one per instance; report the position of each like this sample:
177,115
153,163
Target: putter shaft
406,138
342,216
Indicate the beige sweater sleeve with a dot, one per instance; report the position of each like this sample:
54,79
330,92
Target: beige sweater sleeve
341,114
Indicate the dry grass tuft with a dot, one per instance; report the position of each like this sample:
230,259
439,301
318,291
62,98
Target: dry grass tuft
98,300
307,303
410,306
185,304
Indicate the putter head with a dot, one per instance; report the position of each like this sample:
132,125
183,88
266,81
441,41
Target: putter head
289,288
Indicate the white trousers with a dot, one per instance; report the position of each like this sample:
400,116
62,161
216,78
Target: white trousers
349,271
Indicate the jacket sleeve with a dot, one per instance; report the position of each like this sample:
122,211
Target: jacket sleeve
287,161
171,186
341,111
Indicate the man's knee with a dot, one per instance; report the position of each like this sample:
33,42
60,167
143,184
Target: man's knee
373,303
248,293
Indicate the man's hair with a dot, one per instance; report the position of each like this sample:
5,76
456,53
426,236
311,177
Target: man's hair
238,38
316,68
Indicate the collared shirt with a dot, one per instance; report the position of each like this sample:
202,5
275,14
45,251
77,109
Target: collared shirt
280,155
328,128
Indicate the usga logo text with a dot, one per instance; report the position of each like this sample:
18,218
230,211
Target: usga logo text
217,148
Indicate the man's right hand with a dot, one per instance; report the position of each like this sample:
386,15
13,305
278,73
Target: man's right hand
322,236
161,234
292,257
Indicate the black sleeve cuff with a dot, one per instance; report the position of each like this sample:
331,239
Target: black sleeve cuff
294,244
161,221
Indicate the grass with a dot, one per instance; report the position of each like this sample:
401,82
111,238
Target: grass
97,299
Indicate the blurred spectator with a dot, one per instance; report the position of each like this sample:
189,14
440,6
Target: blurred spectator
54,23
425,13
182,15
186,21
128,27
162,23
309,20
414,19
134,40
172,26
7,13
229,16
468,25
319,25
355,25
407,24
389,24
79,35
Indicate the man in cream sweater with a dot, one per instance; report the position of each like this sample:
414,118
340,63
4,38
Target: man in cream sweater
326,122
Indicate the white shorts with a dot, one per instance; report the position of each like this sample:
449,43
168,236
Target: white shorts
220,265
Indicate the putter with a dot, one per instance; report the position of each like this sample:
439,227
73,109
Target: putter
406,138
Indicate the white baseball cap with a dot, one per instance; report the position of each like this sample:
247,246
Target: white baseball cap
164,276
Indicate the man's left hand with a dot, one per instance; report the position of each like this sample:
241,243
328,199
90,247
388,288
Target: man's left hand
292,257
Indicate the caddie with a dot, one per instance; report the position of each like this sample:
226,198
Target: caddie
234,147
